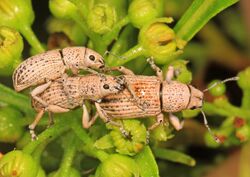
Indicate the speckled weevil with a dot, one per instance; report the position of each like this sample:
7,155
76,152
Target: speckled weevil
159,94
67,93
48,66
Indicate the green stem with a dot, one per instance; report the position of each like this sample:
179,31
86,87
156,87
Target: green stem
120,44
226,110
174,156
88,147
109,37
197,15
61,126
131,54
15,99
95,38
39,150
32,39
69,153
246,99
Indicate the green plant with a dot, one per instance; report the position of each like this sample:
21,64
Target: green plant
132,30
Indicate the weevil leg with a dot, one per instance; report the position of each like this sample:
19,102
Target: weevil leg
174,120
160,119
51,119
121,69
33,125
170,74
86,122
106,119
38,90
155,68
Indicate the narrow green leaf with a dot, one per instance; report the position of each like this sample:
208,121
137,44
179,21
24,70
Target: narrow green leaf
147,164
174,156
197,15
15,99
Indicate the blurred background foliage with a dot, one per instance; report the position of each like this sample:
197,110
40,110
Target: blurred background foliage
219,50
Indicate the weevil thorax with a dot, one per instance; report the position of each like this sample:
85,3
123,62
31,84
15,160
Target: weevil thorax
81,58
177,96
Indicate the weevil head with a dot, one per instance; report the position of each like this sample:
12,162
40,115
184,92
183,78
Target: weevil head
177,96
92,59
111,84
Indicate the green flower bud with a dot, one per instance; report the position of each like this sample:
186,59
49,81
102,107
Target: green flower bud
210,142
117,165
11,47
16,13
18,163
144,11
11,128
159,41
135,141
72,173
163,132
183,74
243,133
62,8
243,81
68,27
218,90
102,18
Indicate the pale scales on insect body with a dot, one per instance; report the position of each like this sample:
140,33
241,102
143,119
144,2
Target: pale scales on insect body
52,64
163,96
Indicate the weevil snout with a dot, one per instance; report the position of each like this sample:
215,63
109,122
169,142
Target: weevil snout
196,98
93,59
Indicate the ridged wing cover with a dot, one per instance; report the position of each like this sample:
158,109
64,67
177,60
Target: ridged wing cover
36,69
119,105
55,95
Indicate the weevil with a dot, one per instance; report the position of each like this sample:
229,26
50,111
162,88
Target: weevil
48,66
161,96
67,93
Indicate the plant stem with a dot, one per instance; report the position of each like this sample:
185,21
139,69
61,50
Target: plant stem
120,44
61,126
68,156
32,39
15,99
39,150
131,54
197,15
109,37
88,147
246,99
174,156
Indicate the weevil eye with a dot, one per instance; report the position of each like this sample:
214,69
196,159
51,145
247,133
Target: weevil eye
106,86
92,57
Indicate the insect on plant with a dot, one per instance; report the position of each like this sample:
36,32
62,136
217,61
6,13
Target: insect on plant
51,65
159,94
67,93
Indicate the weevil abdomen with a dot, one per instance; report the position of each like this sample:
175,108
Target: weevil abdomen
121,105
55,95
35,70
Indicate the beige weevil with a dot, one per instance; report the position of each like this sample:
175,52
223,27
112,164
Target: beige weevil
50,65
67,93
159,94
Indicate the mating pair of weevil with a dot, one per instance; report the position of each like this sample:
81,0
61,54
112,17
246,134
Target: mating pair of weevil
115,97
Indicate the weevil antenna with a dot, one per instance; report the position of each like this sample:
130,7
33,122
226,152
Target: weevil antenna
221,82
208,128
117,56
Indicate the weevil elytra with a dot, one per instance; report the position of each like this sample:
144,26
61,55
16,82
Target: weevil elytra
52,64
67,93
